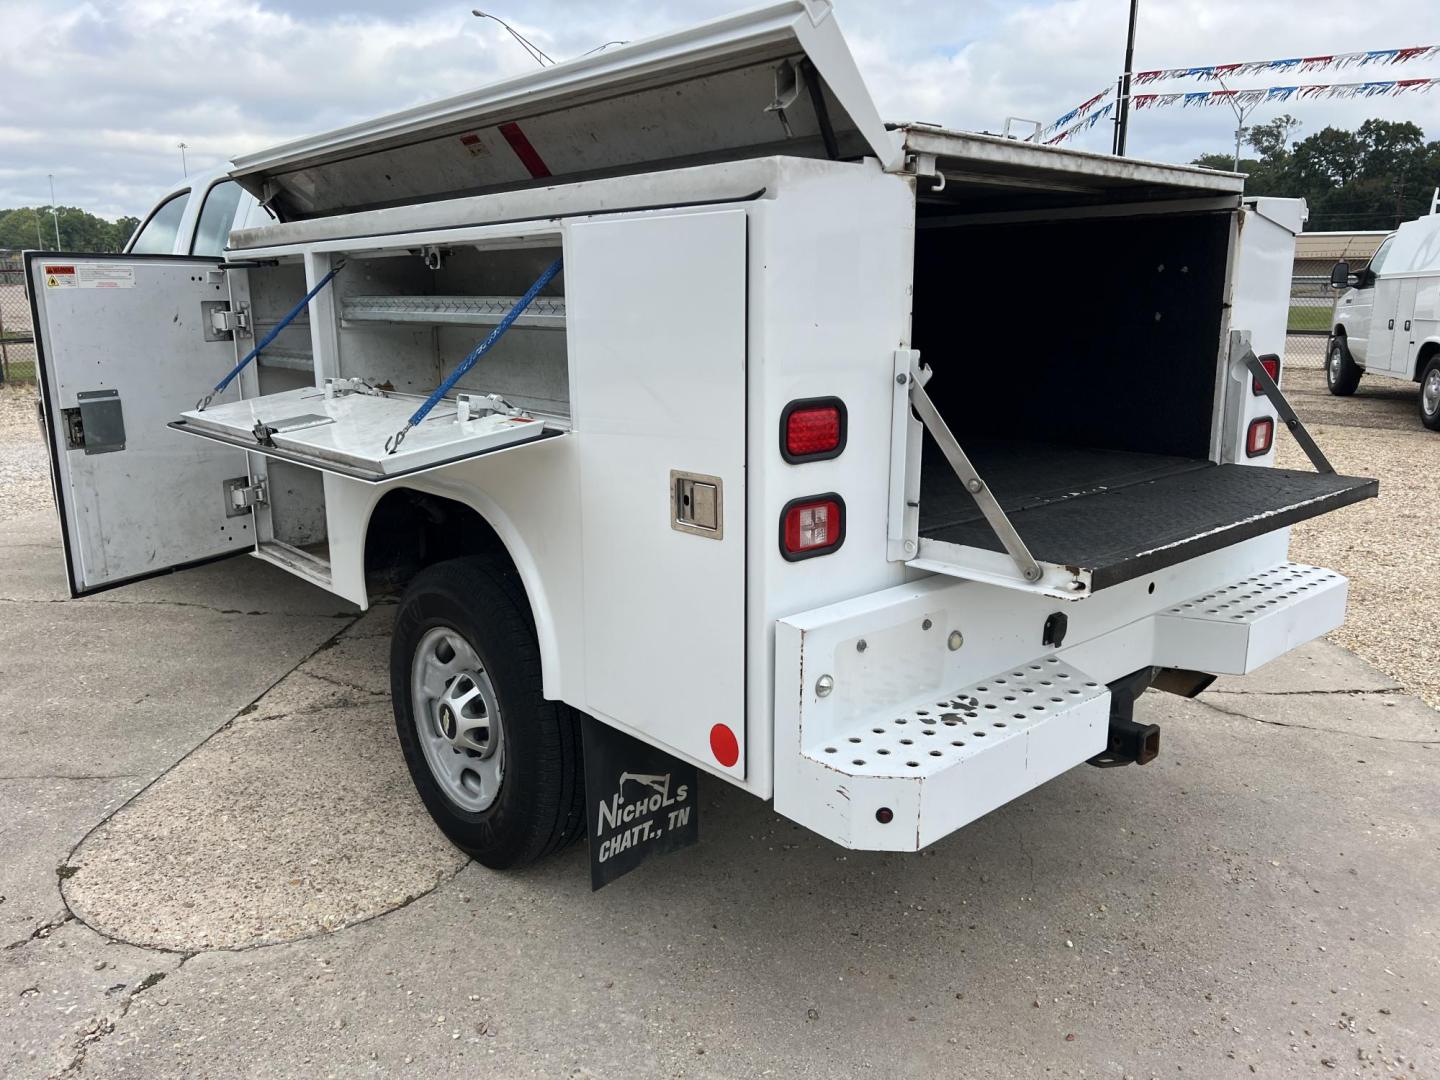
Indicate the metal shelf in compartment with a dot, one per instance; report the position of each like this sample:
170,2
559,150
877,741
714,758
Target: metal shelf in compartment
289,359
544,312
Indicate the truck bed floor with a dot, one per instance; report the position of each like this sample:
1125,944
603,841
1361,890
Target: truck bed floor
1117,514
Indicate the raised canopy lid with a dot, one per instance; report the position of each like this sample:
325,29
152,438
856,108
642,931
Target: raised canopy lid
774,80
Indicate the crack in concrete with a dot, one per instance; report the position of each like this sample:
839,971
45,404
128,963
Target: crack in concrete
1308,693
104,1024
67,776
343,685
1311,727
175,604
43,931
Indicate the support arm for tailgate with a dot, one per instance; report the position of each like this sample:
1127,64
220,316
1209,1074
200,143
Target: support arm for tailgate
965,470
1284,411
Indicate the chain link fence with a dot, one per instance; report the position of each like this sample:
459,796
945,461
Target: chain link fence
1312,300
1312,303
17,336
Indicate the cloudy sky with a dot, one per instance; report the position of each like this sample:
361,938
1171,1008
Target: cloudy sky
99,93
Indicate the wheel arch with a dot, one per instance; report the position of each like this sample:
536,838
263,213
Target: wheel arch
1428,351
410,527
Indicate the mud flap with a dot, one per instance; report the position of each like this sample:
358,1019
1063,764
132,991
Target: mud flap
641,802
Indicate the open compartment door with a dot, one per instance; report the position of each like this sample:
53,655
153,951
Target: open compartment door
777,79
125,342
343,429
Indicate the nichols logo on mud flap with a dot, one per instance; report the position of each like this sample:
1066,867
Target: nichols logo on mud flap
641,802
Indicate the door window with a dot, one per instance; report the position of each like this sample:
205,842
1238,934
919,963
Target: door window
217,216
157,235
1378,259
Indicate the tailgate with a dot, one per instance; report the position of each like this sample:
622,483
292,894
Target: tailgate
1105,517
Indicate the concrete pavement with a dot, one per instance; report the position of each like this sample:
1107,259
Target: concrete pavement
213,866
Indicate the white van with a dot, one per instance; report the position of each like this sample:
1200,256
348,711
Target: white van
1387,322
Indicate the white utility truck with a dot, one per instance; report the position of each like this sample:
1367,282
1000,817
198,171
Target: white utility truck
874,469
1387,320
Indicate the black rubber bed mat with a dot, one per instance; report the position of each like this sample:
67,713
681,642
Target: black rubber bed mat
1121,515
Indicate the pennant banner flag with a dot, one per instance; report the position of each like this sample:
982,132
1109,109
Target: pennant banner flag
1293,63
1079,110
1387,88
1214,72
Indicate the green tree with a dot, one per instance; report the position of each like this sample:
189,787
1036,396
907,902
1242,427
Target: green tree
1374,177
80,230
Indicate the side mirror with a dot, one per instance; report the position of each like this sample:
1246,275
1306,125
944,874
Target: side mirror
1340,275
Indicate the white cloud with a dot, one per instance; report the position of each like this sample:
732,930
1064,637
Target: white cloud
99,94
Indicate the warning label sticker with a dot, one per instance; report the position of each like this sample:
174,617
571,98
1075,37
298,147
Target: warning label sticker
60,275
106,276
472,142
89,276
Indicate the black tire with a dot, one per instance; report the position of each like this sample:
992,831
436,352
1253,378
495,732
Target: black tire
1430,391
1342,374
539,807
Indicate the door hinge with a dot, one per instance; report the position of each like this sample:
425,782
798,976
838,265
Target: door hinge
221,322
241,496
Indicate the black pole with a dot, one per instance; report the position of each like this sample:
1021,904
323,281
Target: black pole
1122,122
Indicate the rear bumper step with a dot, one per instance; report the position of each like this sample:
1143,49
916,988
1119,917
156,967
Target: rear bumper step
883,742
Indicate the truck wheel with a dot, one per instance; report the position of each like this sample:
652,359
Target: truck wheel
497,765
1430,395
1342,374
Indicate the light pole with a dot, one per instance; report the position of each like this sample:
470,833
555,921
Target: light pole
184,166
1122,114
1241,112
54,212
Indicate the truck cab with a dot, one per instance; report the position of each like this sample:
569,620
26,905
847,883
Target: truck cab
1387,317
195,217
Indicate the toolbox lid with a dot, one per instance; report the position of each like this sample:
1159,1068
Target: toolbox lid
777,79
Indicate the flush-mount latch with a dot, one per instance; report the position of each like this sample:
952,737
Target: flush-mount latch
696,504
96,424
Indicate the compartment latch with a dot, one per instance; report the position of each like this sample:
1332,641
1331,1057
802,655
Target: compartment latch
696,504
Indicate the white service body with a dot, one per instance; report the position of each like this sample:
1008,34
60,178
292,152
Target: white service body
712,275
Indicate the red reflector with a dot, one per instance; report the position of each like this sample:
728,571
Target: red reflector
724,745
812,526
1271,364
1259,437
812,429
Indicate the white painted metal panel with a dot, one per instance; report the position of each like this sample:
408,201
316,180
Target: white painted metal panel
657,353
135,326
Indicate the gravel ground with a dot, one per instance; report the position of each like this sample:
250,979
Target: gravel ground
1382,545
1394,617
24,474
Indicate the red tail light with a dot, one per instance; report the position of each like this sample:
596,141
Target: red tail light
1259,437
812,429
814,525
1271,363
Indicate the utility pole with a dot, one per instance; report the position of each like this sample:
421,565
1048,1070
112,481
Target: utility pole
54,212
1122,111
184,166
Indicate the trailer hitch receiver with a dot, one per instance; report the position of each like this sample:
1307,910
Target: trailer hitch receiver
1129,743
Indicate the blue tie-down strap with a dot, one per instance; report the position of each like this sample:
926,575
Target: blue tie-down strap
393,443
267,339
